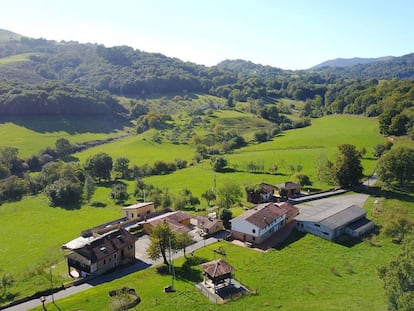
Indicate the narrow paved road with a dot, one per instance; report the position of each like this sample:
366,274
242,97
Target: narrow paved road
139,265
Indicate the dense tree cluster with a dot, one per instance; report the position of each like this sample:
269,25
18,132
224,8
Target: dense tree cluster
398,278
396,166
54,98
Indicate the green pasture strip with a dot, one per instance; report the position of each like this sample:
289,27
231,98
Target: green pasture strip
141,149
32,134
16,58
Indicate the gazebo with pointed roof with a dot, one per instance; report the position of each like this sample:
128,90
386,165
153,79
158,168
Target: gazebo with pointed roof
218,272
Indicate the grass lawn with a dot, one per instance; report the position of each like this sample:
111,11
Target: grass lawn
32,134
140,149
300,146
31,233
308,274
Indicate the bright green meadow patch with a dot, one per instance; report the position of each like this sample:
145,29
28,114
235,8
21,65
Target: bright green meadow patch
32,134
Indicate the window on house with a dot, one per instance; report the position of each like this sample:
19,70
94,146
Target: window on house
317,225
132,215
115,256
139,215
254,230
104,261
326,233
148,212
253,238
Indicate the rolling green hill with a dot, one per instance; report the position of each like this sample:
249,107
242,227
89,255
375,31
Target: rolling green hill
6,35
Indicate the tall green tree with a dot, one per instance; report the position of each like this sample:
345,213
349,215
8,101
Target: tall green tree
182,240
12,189
218,163
99,166
398,278
324,169
89,187
63,147
119,192
161,238
397,165
8,155
229,194
226,215
348,168
209,196
121,166
64,192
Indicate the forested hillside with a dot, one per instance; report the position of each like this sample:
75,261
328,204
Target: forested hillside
360,89
54,98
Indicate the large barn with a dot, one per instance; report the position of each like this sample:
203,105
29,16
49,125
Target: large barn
329,223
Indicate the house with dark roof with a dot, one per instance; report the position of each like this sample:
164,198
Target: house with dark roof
288,189
102,254
262,221
209,225
260,193
331,222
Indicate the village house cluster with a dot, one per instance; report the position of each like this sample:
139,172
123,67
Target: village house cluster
107,246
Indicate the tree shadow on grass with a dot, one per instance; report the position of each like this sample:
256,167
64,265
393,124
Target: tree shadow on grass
8,297
187,272
70,207
97,204
294,236
70,158
400,195
348,241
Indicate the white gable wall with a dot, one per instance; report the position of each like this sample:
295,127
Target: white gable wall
244,226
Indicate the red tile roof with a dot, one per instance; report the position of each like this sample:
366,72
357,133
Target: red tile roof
263,214
217,268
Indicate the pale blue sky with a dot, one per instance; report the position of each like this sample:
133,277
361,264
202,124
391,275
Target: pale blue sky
295,34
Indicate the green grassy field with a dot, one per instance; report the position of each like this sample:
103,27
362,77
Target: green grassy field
307,274
42,229
300,146
16,58
33,134
32,232
140,149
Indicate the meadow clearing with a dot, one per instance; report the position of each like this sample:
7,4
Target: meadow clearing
31,232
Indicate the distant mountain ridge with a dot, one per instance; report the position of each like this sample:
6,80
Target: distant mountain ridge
348,62
125,71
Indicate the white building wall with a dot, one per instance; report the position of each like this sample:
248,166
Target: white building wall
244,227
273,226
316,229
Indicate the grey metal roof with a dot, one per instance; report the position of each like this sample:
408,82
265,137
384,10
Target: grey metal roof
361,225
344,217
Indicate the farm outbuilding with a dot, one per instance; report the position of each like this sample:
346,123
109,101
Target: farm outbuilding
331,222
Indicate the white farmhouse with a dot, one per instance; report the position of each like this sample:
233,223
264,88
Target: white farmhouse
262,221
